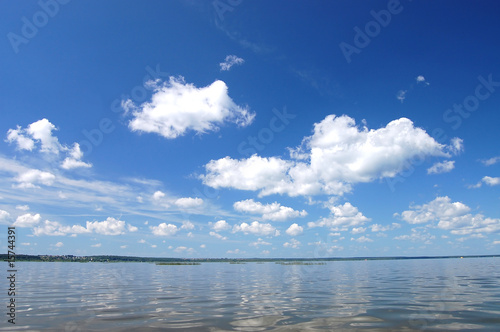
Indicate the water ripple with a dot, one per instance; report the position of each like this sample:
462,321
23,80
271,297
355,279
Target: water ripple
404,295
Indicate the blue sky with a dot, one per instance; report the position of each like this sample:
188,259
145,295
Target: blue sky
250,128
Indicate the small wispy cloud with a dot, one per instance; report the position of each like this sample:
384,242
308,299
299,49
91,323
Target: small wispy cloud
439,168
488,180
491,161
401,96
230,61
421,79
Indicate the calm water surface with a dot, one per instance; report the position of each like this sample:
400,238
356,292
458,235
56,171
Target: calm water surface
402,295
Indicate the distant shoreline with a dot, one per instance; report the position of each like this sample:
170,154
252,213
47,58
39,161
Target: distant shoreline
134,259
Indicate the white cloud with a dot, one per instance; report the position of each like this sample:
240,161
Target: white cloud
322,247
76,153
110,226
256,228
164,229
124,246
362,239
188,202
421,79
235,251
27,220
132,228
187,225
97,245
254,173
456,145
259,242
67,192
365,155
59,244
439,208
358,230
182,249
336,156
475,186
4,215
203,246
158,195
468,224
220,225
17,136
31,178
491,161
230,61
452,216
42,131
417,236
473,236
159,198
491,181
177,107
273,211
74,159
294,244
218,236
342,216
441,167
294,230
51,228
401,96
381,228
22,207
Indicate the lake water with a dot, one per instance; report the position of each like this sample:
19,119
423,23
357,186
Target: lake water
392,295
